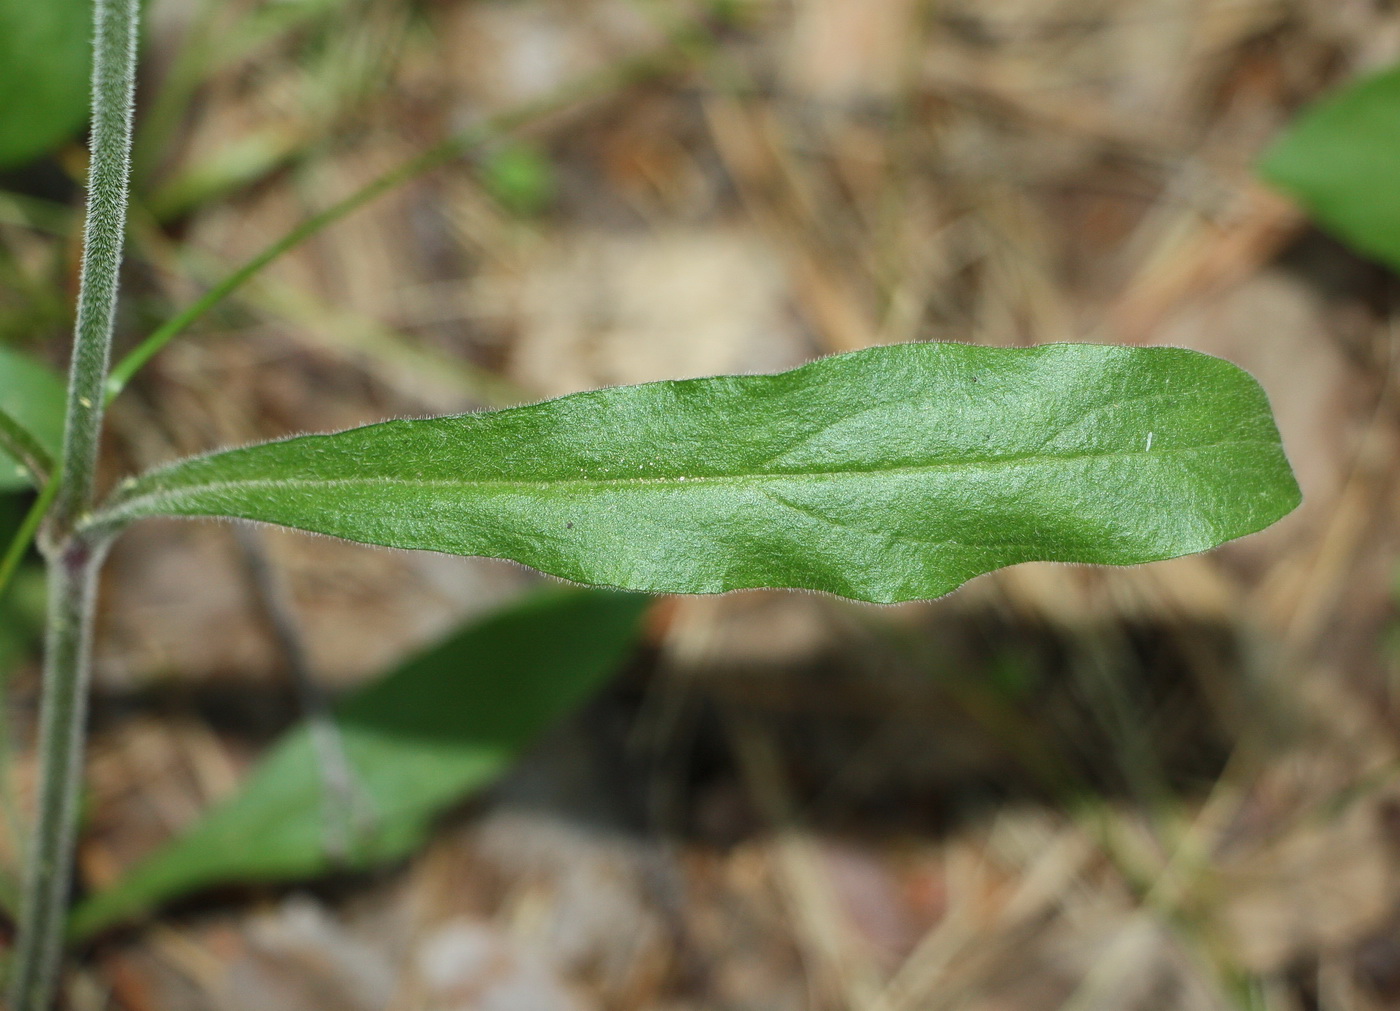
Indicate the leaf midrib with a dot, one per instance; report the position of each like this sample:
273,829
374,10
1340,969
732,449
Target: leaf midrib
134,506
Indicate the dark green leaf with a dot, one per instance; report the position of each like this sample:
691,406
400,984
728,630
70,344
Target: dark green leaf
32,395
418,740
45,52
1341,160
22,603
888,474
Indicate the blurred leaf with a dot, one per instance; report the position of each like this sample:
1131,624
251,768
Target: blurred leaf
520,178
17,625
889,474
1341,160
239,162
45,53
419,739
22,606
21,620
32,394
26,602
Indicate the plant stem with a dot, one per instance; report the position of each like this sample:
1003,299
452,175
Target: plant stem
74,558
44,890
113,93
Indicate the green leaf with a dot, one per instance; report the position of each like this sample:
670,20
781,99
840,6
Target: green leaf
31,394
418,740
1341,160
20,623
45,53
888,474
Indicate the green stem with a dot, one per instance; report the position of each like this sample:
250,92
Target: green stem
681,47
113,92
74,558
44,889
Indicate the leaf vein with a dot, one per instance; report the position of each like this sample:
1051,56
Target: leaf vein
140,501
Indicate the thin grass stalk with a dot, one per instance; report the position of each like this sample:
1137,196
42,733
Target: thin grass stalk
677,50
74,559
24,536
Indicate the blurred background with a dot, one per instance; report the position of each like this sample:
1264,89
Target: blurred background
1173,786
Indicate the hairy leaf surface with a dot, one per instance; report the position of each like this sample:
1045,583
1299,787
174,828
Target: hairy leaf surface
418,740
889,474
32,394
1341,159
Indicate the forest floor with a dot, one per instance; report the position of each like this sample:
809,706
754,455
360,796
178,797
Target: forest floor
1167,787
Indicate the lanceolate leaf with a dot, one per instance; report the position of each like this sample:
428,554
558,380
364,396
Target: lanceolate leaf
31,396
418,740
888,474
1341,160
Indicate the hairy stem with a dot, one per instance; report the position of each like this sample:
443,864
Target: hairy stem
75,558
44,891
113,91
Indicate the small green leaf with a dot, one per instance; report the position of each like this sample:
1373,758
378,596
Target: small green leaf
31,394
45,52
418,739
889,474
1341,159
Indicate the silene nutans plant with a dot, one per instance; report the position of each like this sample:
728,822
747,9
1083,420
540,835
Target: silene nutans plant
891,474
